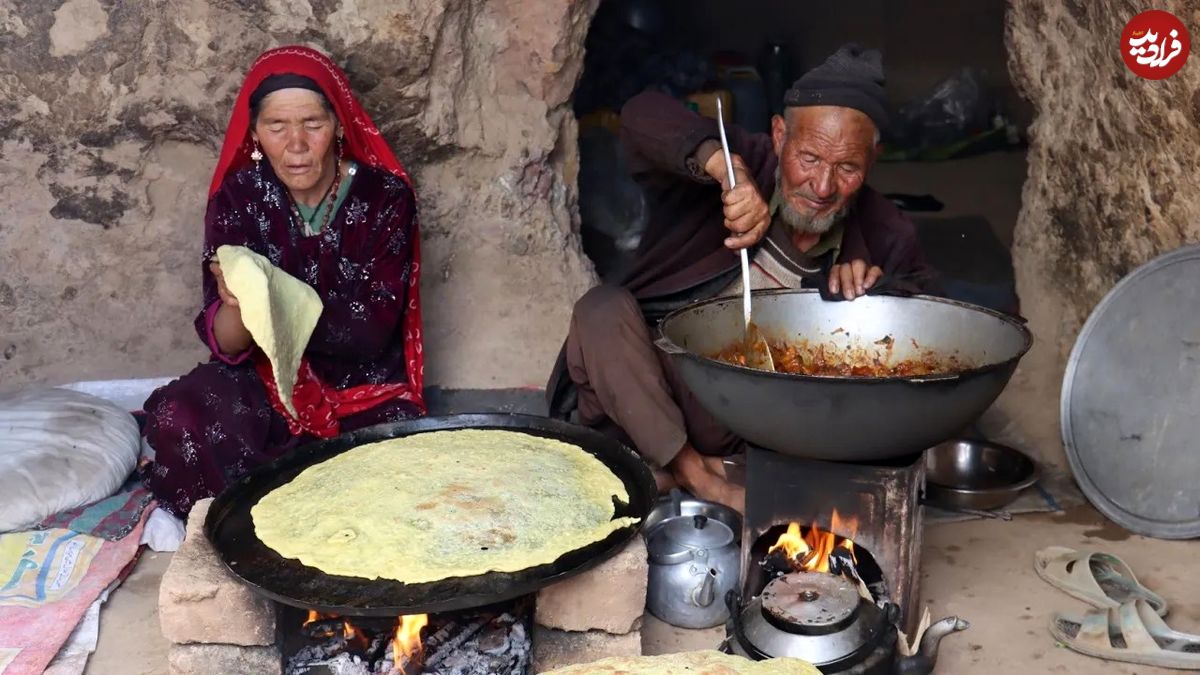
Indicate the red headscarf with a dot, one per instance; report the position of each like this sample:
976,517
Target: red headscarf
363,141
320,406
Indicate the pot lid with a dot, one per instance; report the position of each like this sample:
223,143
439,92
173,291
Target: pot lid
814,616
810,603
682,534
1130,400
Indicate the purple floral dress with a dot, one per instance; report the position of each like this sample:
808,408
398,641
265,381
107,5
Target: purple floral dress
216,423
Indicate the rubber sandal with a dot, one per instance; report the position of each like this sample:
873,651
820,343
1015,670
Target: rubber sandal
1132,633
1102,580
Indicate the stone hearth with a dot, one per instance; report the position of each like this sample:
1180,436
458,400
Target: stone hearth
216,624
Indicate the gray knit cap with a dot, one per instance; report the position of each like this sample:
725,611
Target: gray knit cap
851,78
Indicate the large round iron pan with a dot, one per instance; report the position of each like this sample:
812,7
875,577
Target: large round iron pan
288,581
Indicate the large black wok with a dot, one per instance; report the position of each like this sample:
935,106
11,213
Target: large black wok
846,418
231,530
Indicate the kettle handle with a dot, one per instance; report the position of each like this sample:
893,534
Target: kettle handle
676,502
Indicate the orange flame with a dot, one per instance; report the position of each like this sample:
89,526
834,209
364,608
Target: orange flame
811,551
408,639
354,635
349,631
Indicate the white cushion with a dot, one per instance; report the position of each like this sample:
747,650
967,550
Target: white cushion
59,450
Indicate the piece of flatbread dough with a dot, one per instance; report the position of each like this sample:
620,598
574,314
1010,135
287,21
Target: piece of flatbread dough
442,504
706,662
279,310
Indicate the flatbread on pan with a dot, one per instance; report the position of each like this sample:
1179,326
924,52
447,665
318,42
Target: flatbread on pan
442,504
706,662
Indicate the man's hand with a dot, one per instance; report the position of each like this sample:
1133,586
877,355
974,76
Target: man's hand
853,279
699,475
222,290
747,215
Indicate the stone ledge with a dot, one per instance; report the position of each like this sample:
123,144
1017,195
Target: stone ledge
660,637
556,649
610,597
199,601
210,659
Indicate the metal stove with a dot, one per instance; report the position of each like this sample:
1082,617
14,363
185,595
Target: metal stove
848,619
884,500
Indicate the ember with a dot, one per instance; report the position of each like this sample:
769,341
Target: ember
812,551
323,626
475,642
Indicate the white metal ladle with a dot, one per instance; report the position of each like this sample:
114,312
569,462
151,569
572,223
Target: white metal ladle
754,346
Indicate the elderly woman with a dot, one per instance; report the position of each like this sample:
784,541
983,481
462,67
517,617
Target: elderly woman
306,180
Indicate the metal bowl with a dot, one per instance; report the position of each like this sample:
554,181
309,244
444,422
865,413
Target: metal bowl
976,474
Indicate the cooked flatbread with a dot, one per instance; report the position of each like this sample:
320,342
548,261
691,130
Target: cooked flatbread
442,504
707,662
279,310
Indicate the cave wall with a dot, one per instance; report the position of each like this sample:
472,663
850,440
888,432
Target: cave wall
1114,180
111,115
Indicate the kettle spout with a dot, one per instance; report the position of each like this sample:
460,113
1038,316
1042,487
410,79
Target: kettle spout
704,594
934,634
923,662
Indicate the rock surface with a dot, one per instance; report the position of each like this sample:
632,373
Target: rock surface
111,114
1114,181
610,597
199,601
207,659
557,649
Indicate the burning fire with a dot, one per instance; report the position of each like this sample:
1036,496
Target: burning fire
349,631
408,638
811,552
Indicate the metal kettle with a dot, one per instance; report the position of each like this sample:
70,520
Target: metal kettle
694,562
822,619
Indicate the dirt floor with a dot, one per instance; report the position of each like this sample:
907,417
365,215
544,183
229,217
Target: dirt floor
980,570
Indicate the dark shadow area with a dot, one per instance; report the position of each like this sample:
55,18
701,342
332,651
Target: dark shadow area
954,158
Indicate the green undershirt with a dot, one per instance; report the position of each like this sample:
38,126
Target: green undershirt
310,213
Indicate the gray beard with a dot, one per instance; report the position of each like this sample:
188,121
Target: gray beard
805,223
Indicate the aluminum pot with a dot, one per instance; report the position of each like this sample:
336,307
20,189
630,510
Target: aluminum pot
846,418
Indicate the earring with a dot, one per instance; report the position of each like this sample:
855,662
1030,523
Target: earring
256,155
340,148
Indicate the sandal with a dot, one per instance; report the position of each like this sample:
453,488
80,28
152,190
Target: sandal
1102,580
1132,633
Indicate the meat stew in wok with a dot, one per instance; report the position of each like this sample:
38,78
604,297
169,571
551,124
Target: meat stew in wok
803,357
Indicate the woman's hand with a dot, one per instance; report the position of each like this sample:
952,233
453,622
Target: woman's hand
227,298
230,333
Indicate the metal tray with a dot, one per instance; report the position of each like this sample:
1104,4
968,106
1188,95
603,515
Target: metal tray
1131,400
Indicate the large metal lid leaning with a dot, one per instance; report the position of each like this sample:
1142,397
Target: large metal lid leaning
1131,400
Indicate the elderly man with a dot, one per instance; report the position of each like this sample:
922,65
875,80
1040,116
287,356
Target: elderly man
800,205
